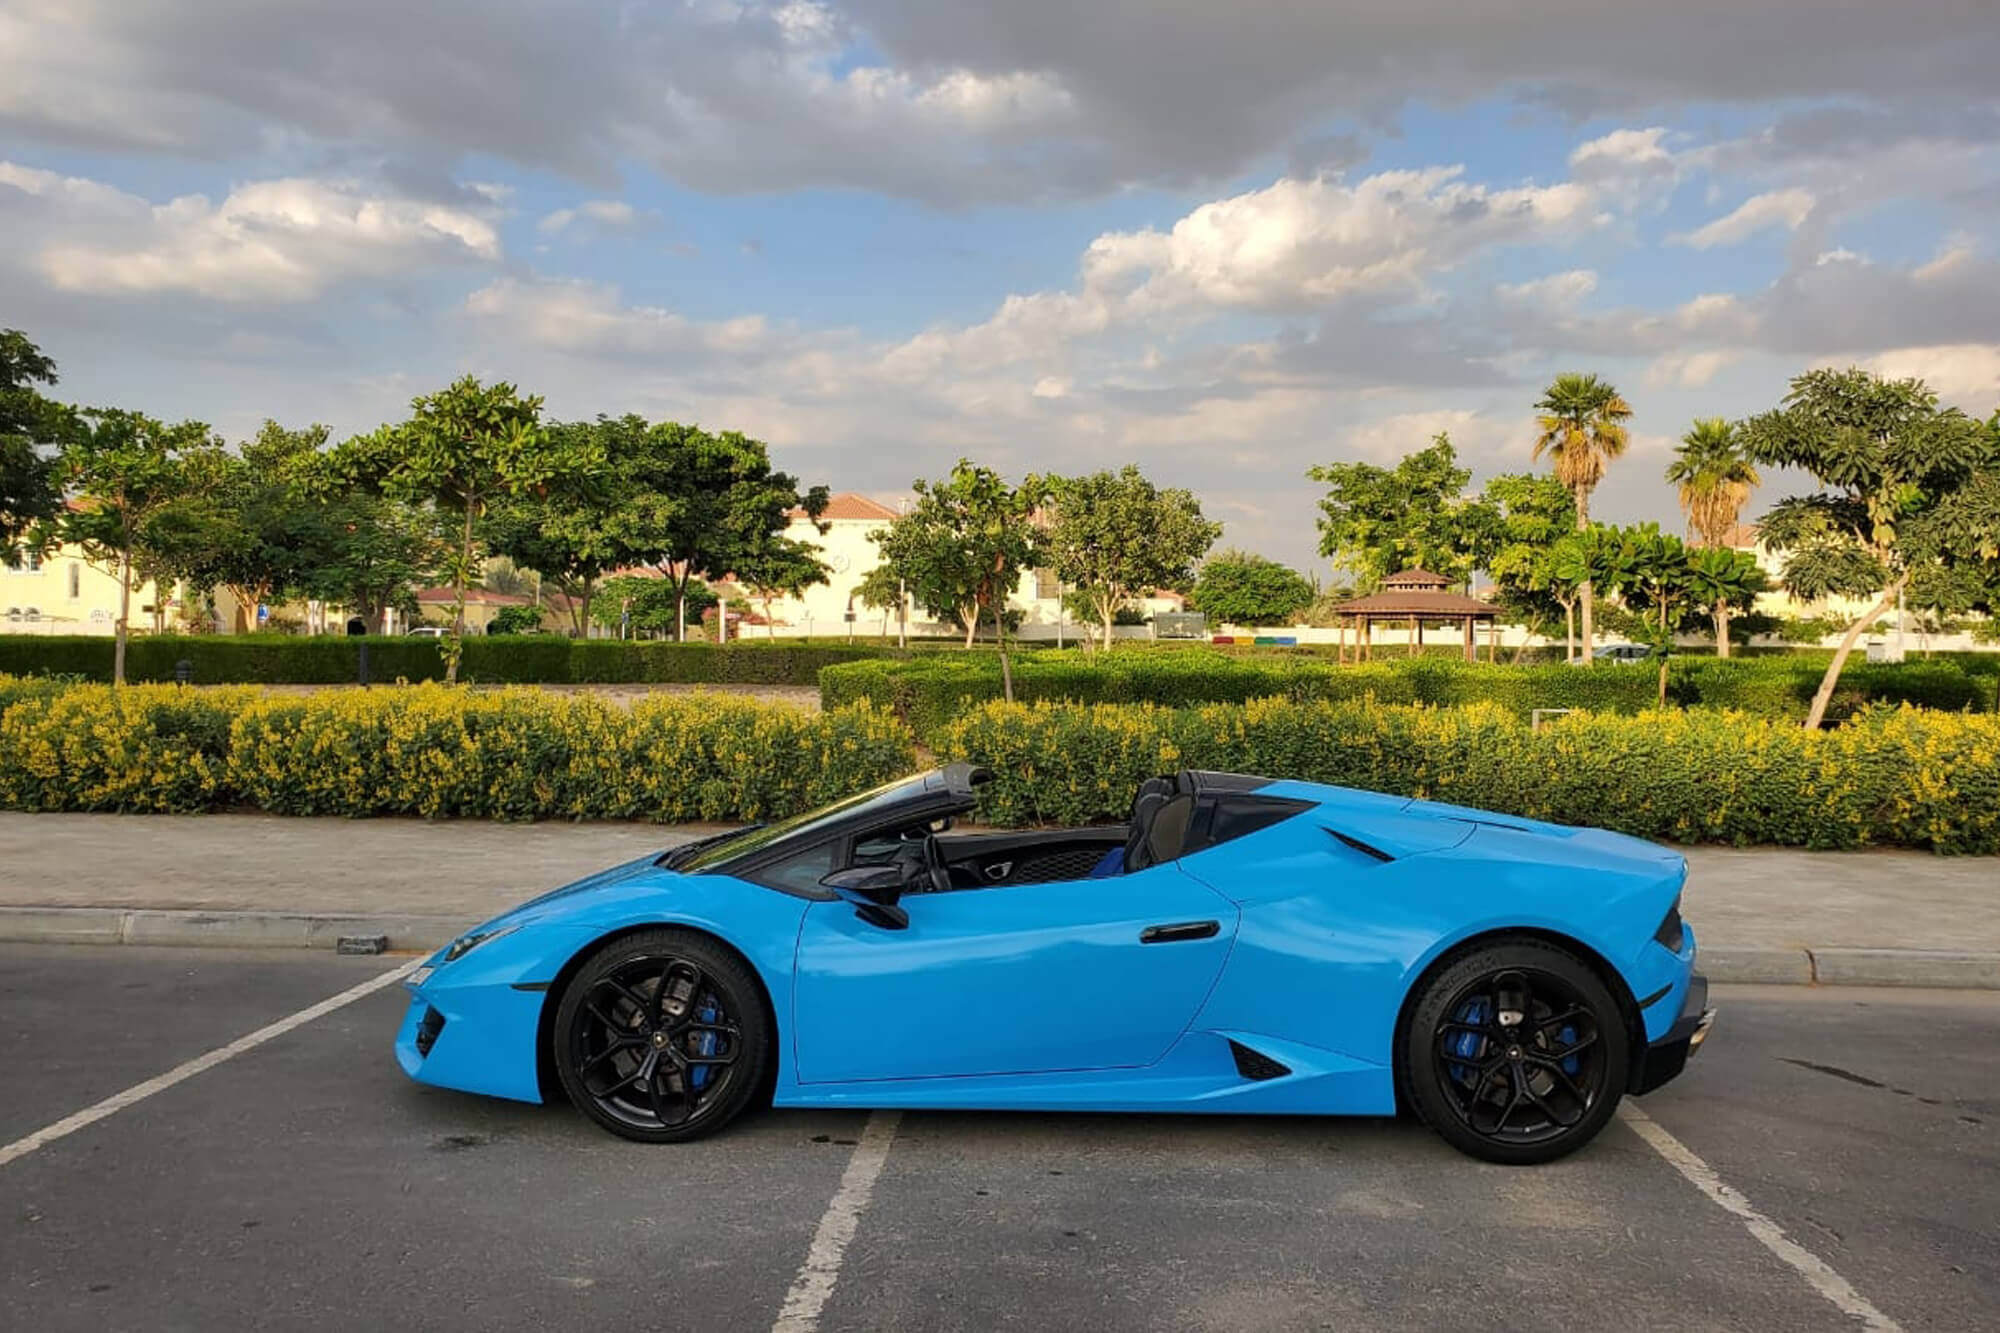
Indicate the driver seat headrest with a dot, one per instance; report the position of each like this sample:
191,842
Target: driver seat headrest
1159,829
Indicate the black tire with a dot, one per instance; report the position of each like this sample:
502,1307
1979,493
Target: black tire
662,1036
1515,1053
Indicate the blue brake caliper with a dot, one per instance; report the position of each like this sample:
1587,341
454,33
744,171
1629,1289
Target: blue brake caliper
1468,1045
1570,1063
704,1044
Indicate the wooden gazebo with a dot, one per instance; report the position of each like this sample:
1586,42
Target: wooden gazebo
1414,597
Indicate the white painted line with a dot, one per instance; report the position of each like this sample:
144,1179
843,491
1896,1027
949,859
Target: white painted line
90,1115
1822,1279
814,1283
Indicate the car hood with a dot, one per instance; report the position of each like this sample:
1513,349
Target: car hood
569,895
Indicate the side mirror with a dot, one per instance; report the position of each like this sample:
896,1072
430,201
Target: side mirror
873,890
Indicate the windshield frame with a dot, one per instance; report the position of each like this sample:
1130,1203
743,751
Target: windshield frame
740,853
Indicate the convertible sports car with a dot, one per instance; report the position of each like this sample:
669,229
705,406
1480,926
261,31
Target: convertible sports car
1241,945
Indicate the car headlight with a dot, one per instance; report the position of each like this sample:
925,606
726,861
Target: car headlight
465,944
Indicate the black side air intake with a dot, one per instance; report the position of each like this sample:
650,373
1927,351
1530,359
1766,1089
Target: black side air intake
1255,1065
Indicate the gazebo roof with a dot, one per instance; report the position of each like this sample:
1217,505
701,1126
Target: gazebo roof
1417,578
1407,601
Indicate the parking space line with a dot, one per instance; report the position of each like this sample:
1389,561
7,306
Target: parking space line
816,1276
111,1105
1835,1288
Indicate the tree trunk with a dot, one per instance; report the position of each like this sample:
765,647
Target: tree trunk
971,626
457,646
1569,631
124,611
1824,695
1000,638
1585,593
1664,645
1722,628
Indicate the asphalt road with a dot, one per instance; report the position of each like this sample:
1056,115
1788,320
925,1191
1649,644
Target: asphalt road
306,1184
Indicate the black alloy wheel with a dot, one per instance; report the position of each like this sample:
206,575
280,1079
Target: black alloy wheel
1516,1053
662,1036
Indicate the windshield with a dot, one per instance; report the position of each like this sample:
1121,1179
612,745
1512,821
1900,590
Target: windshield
724,851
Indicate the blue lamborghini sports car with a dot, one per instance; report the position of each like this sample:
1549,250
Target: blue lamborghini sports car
1240,945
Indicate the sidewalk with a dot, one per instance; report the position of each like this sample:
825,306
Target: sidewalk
1762,915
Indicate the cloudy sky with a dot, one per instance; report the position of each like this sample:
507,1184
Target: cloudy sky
1227,241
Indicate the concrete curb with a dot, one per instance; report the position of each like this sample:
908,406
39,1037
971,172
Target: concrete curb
1944,969
232,930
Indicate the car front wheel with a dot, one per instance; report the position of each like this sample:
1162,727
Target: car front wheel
662,1036
1516,1053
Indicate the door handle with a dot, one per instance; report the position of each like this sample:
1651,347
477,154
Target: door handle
1180,930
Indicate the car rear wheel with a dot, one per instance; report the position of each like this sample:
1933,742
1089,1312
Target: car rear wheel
1516,1053
662,1036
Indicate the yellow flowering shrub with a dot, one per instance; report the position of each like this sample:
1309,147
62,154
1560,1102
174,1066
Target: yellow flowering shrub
434,751
144,748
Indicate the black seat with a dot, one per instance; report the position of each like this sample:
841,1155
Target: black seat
1144,806
1159,829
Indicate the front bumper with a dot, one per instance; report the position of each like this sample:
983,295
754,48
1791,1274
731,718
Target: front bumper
1665,1058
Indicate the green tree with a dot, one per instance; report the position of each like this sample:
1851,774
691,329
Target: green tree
369,553
1377,521
1580,420
243,521
1242,588
962,547
1114,534
649,606
571,531
1725,582
1909,498
700,504
462,449
1714,478
881,590
32,428
781,567
1531,514
125,467
515,620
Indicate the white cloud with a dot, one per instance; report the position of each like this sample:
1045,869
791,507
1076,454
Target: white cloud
1556,291
267,241
611,214
1965,373
1303,243
1388,438
1779,208
1624,153
1687,370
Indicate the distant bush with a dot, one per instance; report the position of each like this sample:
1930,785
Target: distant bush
280,659
1891,777
931,692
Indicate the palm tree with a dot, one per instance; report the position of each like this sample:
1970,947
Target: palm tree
1582,423
1715,477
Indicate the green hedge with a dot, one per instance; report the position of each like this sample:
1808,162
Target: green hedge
1892,777
433,751
280,659
931,692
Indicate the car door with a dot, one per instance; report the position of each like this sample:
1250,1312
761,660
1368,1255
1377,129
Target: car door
1008,979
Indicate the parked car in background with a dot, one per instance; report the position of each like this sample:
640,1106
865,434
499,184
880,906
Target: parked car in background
1624,654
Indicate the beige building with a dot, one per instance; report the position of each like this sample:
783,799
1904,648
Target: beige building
60,592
